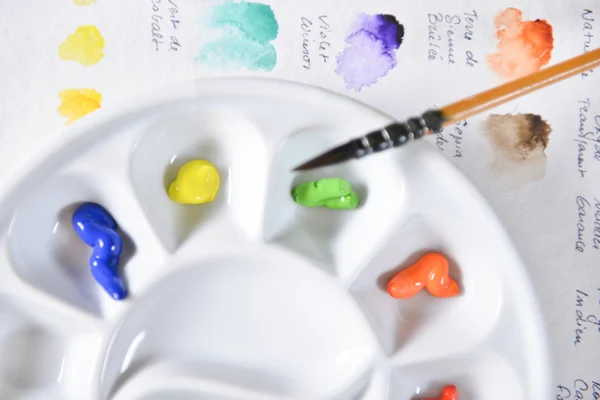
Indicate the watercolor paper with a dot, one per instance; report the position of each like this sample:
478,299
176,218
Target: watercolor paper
440,52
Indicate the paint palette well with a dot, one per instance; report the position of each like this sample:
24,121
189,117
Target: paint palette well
252,296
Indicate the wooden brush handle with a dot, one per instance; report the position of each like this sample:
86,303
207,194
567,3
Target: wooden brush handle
399,133
470,106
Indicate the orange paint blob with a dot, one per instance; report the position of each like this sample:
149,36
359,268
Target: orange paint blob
448,393
430,272
524,47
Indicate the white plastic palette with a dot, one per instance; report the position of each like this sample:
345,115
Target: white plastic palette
253,296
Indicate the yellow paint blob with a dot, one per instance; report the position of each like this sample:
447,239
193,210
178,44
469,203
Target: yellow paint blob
84,46
83,2
197,182
75,103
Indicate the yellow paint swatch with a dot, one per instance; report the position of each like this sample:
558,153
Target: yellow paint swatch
75,103
83,2
84,46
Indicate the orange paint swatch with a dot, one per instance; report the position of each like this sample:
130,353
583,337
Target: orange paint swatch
430,272
448,393
524,47
75,103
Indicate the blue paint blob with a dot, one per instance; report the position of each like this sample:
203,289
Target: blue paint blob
97,228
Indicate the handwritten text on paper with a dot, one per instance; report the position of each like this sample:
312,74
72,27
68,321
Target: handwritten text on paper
588,22
584,319
579,390
315,40
588,136
588,223
164,23
445,31
454,138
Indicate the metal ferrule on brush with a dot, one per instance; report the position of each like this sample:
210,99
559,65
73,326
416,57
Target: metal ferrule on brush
398,133
393,135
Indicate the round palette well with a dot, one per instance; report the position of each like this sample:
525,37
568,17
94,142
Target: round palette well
253,296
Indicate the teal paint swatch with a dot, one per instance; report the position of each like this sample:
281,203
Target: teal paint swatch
253,19
248,29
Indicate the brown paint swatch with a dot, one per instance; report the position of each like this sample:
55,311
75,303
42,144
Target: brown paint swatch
520,141
523,47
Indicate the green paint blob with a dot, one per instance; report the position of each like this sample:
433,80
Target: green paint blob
335,193
342,203
247,31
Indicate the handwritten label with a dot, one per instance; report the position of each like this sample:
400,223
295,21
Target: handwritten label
454,139
583,318
470,19
315,40
587,20
445,31
580,389
164,23
588,220
588,136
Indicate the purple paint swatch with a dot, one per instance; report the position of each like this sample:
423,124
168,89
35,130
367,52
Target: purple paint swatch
371,50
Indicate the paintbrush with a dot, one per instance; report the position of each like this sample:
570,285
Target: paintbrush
399,133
